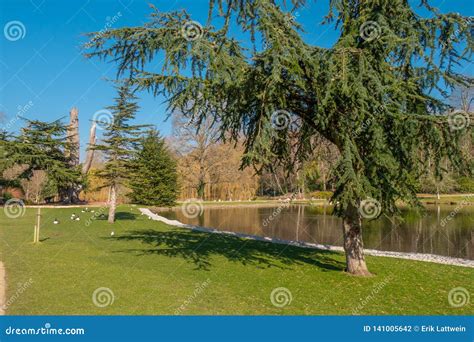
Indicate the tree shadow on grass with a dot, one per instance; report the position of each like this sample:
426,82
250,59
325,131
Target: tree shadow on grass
199,247
120,215
123,215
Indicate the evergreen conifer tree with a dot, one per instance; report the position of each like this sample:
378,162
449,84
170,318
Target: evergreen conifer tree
42,146
371,94
154,179
119,144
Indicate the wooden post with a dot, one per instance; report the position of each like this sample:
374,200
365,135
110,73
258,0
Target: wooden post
34,235
38,225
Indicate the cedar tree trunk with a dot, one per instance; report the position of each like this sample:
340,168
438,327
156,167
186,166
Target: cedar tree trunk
353,246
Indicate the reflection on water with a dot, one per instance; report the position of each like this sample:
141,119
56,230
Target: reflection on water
417,233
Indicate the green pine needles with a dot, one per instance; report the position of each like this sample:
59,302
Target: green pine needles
119,143
120,138
43,146
154,179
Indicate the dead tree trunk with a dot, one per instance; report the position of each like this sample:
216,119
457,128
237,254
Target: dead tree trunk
73,151
353,245
90,150
73,135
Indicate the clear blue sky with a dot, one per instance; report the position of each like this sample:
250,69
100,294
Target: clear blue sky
47,67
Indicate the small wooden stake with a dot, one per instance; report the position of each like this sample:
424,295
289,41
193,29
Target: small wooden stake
38,225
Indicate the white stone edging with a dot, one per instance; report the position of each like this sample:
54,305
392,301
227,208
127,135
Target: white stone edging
439,259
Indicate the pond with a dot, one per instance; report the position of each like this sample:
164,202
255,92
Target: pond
430,232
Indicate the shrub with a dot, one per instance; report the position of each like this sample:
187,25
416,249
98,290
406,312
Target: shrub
320,194
465,185
6,196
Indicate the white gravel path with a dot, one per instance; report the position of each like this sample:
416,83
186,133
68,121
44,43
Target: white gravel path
439,259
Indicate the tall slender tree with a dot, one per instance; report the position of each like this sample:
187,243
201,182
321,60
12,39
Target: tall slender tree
371,93
119,144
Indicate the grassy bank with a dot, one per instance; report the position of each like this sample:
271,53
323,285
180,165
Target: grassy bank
424,198
152,268
447,199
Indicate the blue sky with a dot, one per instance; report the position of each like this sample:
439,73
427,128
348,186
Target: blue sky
44,74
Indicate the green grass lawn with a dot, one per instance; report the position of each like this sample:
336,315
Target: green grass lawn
155,269
448,199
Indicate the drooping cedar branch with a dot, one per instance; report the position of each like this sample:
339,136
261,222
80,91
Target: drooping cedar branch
386,81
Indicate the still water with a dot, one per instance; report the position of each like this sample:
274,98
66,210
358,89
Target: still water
430,232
